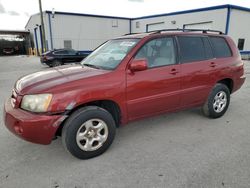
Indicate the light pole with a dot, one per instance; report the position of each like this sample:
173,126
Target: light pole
42,27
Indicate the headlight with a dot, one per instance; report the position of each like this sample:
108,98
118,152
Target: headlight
36,103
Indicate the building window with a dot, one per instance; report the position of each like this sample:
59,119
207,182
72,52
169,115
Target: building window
137,24
47,45
241,43
114,23
68,44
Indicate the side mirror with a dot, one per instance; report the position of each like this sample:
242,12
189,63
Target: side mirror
138,65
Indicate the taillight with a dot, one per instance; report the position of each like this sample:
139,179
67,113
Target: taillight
47,57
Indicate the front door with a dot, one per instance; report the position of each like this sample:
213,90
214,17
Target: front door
156,89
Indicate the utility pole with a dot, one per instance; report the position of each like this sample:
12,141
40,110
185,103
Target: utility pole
42,27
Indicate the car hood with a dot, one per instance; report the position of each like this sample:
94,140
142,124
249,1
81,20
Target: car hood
41,81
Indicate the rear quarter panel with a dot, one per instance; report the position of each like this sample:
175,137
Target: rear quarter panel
232,67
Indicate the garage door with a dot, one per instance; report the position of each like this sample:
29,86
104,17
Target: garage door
203,25
155,26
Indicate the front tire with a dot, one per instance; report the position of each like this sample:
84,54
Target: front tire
217,102
88,132
56,63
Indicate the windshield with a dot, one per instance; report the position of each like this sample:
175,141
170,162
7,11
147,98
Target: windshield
110,54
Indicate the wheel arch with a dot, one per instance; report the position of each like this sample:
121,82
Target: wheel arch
228,82
111,106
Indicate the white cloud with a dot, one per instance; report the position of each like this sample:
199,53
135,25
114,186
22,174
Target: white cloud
13,22
140,1
13,13
2,9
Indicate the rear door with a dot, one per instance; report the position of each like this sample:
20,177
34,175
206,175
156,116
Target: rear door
223,58
196,66
72,56
61,55
156,89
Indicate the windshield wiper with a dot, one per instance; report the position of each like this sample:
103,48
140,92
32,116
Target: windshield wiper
92,66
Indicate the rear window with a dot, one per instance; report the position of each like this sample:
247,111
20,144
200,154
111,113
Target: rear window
220,47
191,49
61,52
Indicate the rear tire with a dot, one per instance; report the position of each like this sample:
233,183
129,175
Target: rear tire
88,132
56,63
217,102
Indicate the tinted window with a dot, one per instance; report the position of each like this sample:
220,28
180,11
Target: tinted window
158,52
61,52
191,49
220,47
71,52
208,49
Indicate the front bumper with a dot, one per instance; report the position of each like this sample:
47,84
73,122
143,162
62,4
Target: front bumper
31,127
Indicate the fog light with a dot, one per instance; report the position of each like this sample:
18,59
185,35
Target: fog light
18,129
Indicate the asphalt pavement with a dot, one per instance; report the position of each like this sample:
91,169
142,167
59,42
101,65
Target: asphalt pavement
177,150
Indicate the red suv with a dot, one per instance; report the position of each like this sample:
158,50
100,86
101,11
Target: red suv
125,79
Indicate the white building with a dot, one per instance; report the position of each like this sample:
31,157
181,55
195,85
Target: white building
85,32
82,32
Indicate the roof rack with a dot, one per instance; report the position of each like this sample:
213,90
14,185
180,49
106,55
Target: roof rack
132,33
188,30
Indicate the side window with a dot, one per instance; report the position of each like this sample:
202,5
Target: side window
191,49
208,49
71,52
57,52
220,47
158,52
61,52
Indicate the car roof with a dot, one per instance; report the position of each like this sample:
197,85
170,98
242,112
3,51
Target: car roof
173,32
134,35
60,49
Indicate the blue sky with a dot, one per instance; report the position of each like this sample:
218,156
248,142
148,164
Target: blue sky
14,14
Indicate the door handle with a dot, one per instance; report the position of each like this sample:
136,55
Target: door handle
212,64
174,71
